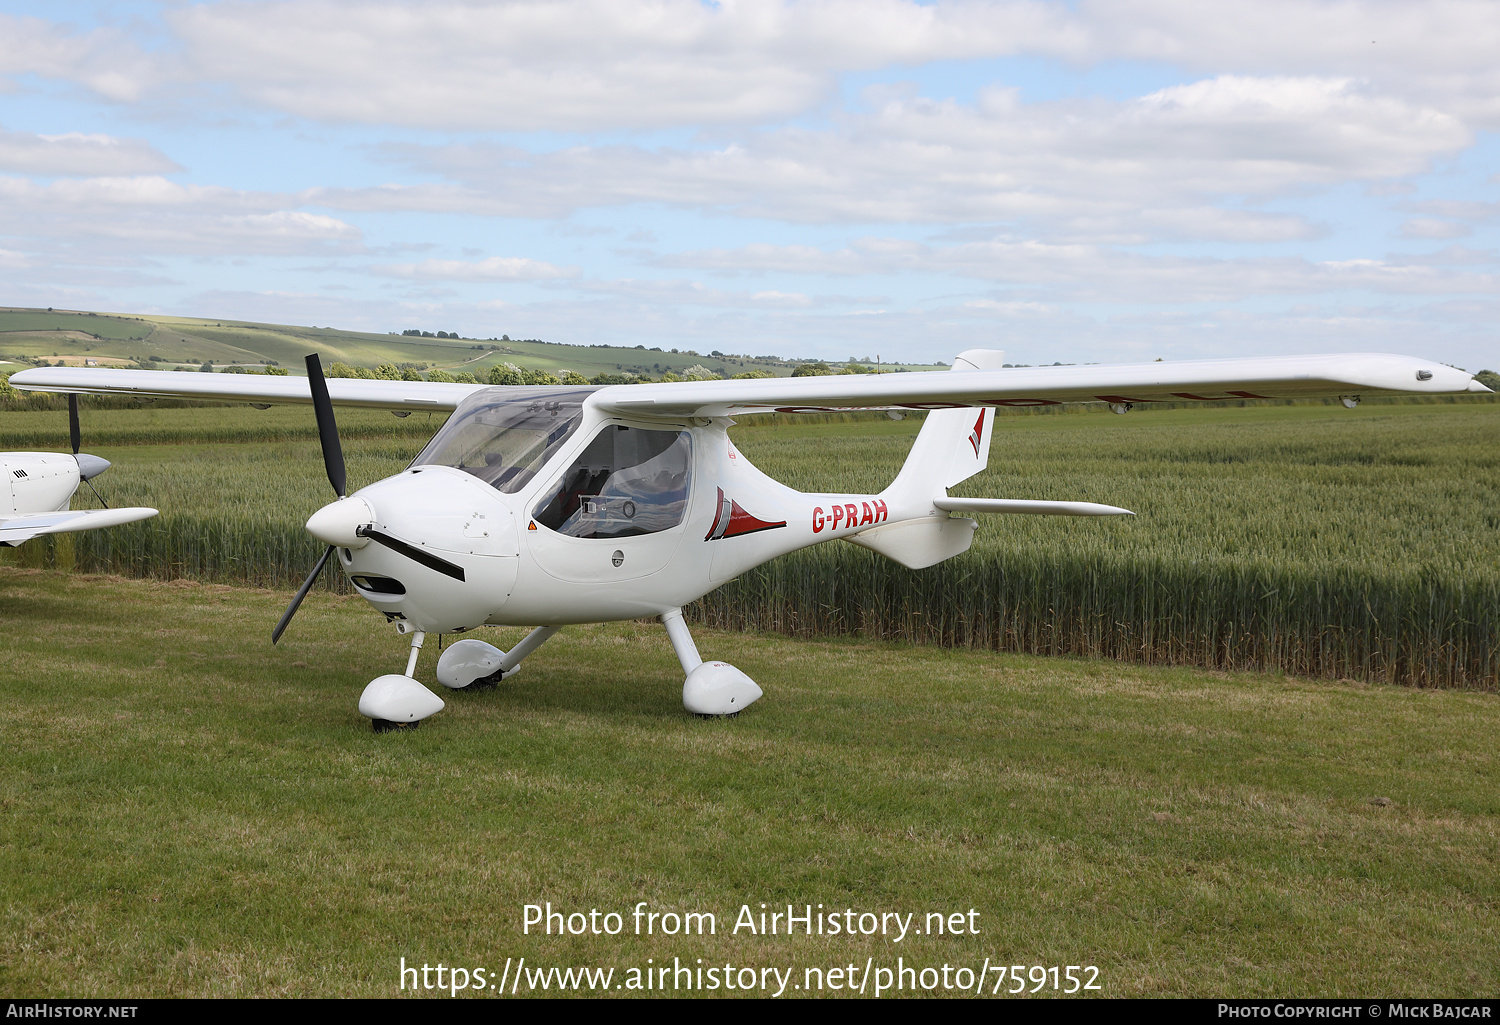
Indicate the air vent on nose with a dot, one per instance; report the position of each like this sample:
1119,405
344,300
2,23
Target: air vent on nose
378,585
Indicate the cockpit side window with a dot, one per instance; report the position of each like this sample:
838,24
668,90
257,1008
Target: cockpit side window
627,482
504,437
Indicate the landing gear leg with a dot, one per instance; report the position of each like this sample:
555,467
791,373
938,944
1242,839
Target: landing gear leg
416,649
394,702
711,688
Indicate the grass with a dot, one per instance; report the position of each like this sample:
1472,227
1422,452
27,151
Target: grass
189,811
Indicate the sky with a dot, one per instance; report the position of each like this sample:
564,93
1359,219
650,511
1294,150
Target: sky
1069,182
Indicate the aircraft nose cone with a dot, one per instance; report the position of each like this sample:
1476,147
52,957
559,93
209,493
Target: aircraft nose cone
89,466
335,523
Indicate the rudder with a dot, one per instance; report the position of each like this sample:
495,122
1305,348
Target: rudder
954,444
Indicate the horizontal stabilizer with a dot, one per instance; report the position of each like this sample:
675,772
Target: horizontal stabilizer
1011,505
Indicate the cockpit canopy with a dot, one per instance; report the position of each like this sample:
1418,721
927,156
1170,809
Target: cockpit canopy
504,436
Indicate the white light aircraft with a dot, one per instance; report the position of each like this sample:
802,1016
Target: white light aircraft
547,506
39,488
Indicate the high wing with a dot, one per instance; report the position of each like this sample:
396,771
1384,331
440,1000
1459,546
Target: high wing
15,529
254,388
1273,377
1362,374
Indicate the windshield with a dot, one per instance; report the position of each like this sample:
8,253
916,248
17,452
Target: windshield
504,436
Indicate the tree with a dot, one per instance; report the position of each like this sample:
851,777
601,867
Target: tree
207,367
573,377
812,370
388,372
506,375
442,376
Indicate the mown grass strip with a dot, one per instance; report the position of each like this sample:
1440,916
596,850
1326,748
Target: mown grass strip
189,811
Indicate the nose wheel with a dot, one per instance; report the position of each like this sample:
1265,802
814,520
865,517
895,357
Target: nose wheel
399,702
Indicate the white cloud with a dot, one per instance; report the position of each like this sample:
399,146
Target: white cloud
577,64
771,297
1468,210
495,268
609,64
75,153
105,60
149,214
1029,208
140,192
1156,168
589,64
1089,274
1430,227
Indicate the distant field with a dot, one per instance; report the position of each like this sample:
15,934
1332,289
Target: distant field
1311,539
189,811
124,339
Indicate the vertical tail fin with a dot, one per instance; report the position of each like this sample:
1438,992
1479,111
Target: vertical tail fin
953,445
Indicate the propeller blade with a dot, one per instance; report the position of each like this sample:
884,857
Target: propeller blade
96,492
73,433
413,553
291,610
328,431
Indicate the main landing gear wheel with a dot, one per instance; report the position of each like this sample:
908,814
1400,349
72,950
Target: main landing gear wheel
712,690
471,664
386,726
484,683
